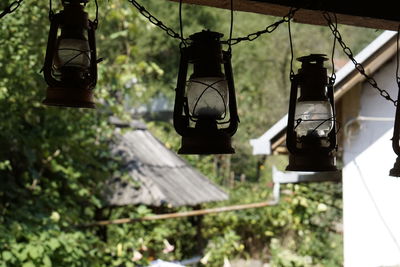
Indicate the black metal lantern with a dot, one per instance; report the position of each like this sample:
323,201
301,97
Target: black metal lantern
206,102
70,67
395,171
311,130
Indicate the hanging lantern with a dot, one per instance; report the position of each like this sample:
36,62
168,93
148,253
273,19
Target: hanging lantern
70,67
395,171
206,102
311,134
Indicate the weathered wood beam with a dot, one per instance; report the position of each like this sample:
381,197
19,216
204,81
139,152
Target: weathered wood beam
371,14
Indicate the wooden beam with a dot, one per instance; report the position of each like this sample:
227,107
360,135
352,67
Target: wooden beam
370,14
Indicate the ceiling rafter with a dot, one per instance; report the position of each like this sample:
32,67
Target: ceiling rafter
368,14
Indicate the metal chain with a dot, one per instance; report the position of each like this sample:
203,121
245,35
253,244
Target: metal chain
268,29
11,8
332,79
155,21
360,68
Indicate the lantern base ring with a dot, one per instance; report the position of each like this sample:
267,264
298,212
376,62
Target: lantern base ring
69,97
312,163
219,143
395,171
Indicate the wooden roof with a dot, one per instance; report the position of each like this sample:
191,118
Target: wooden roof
156,176
378,15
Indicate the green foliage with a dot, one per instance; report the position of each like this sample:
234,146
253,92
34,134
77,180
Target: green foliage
222,246
52,159
300,229
53,162
145,241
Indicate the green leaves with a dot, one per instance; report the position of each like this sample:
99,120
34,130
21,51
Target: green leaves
46,261
52,160
53,244
34,251
7,256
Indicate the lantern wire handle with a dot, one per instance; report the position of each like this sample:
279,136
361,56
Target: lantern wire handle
181,24
332,79
51,13
96,20
291,49
231,30
396,134
397,58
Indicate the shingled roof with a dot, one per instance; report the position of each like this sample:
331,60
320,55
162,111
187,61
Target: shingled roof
156,176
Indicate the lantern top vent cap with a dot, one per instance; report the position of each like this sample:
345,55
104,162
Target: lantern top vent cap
74,2
206,35
313,58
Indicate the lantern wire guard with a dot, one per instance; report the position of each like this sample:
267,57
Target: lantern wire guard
395,171
70,67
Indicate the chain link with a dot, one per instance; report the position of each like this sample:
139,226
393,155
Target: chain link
359,67
155,21
269,29
11,8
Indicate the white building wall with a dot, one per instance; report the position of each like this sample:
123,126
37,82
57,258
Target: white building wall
371,198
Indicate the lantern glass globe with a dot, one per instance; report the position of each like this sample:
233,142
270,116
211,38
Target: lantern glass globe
313,118
73,53
207,97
